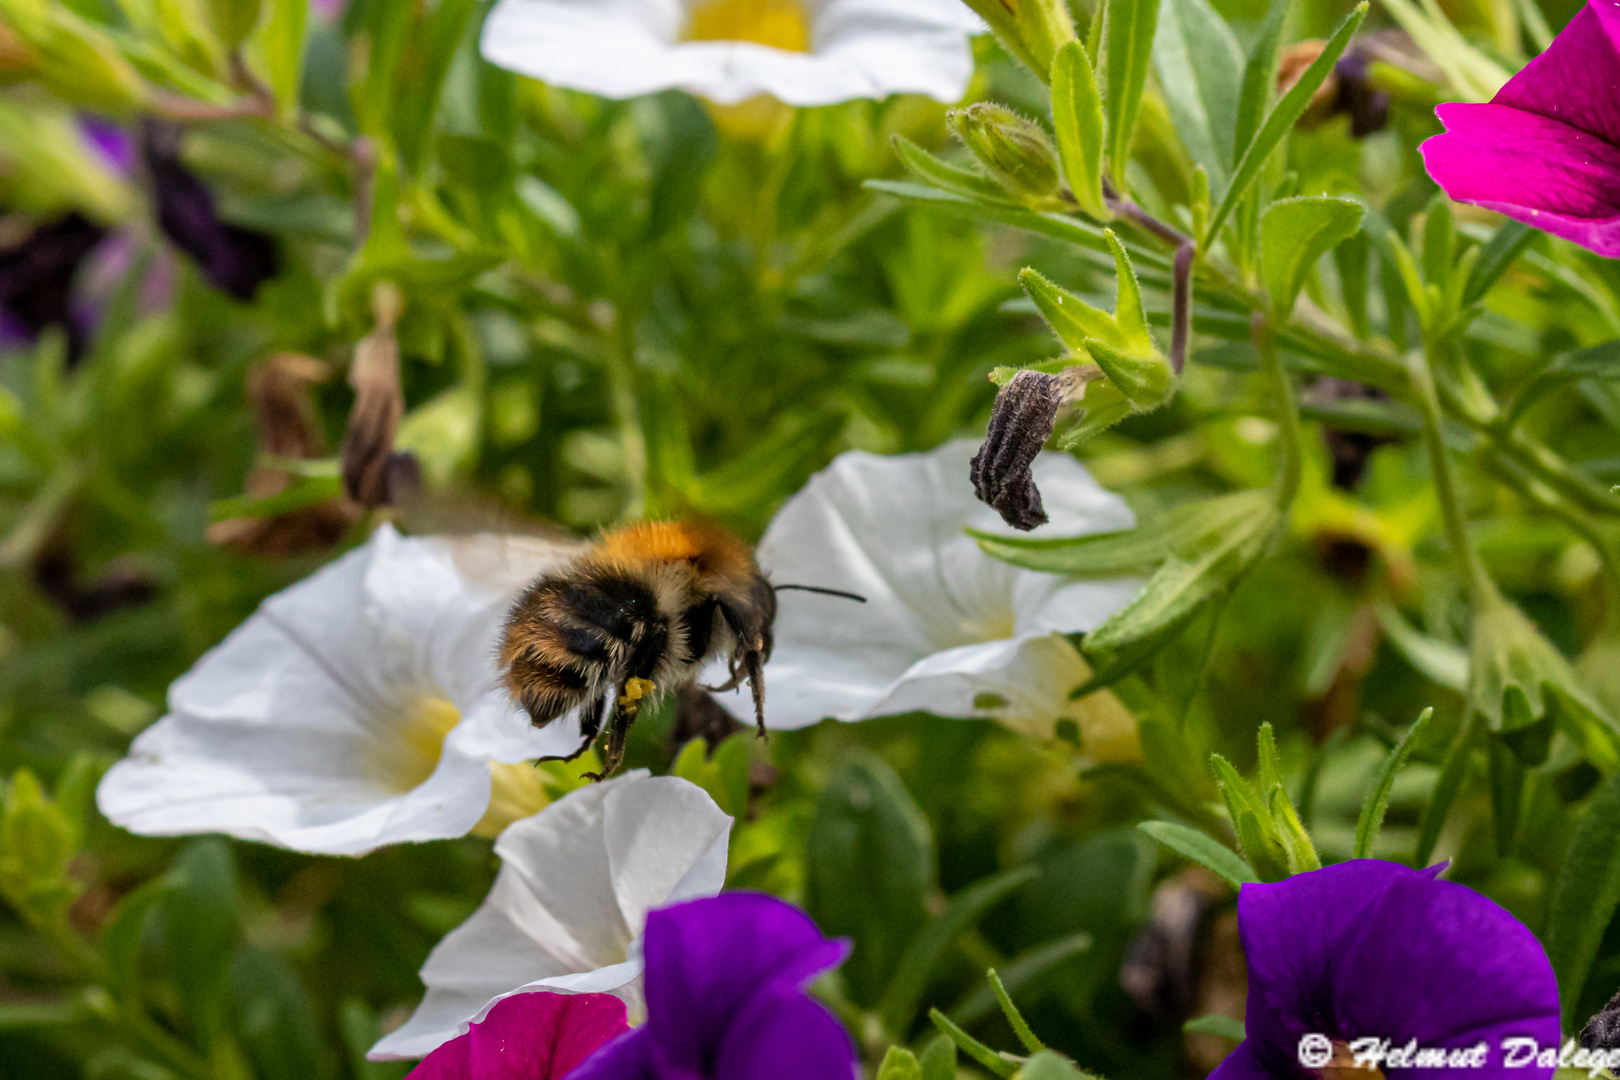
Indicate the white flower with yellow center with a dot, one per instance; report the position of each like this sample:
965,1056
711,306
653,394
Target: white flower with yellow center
569,905
945,628
803,52
358,708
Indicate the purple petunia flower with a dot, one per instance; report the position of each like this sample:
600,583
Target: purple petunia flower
725,998
1546,149
539,1036
1374,950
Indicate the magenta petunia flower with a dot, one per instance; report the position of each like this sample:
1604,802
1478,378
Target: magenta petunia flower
726,1000
1546,149
1375,950
539,1036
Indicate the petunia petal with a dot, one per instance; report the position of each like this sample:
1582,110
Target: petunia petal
1371,948
1577,79
891,530
1537,170
576,881
529,1037
786,1035
624,48
295,788
708,959
629,1057
1467,972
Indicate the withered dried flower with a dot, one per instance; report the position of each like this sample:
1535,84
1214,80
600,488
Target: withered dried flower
279,393
1020,424
373,473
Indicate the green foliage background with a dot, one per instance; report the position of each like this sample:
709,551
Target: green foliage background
654,307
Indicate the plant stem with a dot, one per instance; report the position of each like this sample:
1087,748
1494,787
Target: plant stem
1288,425
1480,589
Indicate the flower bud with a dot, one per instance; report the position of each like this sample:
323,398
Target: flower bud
1017,152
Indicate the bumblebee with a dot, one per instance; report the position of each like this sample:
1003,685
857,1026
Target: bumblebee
633,617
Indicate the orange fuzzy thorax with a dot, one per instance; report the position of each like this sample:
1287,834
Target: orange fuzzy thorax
707,549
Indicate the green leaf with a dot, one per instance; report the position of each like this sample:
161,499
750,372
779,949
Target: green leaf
1201,849
301,492
1184,528
1500,253
931,170
200,920
1452,774
869,869
1023,970
1184,584
1077,118
1200,67
1130,30
1439,241
1291,834
1294,234
121,940
899,1064
1442,662
1281,121
998,1064
1585,896
939,1059
922,956
1376,804
1050,1065
1015,1019
1226,1027
1072,319
1259,78
283,38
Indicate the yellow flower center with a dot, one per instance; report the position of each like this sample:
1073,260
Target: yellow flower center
516,791
781,24
410,758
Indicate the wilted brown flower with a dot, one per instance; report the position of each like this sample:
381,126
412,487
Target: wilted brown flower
1020,424
373,473
279,393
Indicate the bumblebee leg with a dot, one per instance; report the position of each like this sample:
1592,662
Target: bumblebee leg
756,683
626,709
590,726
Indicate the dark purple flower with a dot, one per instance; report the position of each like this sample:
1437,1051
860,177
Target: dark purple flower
1372,949
538,1036
1546,150
36,279
235,259
725,998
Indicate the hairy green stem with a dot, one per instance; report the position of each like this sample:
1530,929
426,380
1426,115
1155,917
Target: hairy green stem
1288,425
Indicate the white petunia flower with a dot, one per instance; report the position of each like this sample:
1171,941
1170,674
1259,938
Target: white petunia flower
946,629
358,708
803,52
569,905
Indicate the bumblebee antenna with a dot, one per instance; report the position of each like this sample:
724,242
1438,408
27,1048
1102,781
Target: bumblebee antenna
857,597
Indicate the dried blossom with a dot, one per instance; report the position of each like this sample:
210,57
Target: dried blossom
373,473
279,393
1020,423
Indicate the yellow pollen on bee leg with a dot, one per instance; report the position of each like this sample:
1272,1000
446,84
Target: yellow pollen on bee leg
635,690
781,24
